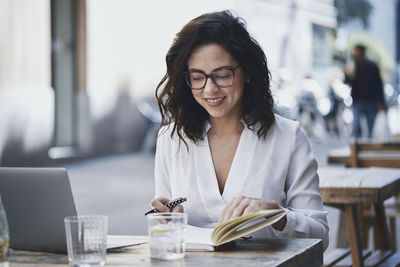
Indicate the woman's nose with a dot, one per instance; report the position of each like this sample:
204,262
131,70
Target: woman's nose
210,85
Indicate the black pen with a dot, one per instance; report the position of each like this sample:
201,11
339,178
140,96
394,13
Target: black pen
170,204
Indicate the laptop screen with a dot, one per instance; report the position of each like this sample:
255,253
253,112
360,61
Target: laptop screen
36,201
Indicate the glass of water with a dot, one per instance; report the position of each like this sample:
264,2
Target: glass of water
86,239
167,235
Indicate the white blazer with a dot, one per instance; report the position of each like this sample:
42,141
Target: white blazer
281,167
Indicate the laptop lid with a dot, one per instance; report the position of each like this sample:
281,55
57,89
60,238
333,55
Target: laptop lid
36,201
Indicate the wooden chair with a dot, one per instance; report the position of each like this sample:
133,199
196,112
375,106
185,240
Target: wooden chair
374,154
377,154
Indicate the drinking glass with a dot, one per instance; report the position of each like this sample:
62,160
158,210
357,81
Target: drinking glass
167,235
86,239
4,234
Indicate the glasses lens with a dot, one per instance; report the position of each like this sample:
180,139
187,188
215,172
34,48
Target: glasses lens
196,80
223,77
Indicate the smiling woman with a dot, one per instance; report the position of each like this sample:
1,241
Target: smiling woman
203,37
239,157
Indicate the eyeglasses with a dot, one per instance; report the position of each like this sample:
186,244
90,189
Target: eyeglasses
222,77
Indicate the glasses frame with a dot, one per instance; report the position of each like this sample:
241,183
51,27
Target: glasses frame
187,76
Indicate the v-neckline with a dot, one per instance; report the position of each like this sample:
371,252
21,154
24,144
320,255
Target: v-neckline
231,169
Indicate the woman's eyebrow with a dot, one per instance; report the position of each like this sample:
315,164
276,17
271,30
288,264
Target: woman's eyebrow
193,69
199,70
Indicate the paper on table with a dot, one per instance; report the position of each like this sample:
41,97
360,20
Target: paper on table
199,239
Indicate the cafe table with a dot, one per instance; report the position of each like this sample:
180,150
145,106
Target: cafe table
242,252
348,188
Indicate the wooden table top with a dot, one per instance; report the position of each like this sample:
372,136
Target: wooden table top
358,185
251,252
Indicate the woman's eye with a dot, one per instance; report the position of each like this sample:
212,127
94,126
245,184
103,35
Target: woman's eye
223,74
197,78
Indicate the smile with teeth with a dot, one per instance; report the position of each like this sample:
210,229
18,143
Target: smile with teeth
214,100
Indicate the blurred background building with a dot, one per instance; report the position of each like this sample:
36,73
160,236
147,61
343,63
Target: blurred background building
77,77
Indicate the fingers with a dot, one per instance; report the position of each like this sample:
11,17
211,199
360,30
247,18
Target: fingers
243,204
240,206
224,212
234,208
260,204
252,207
158,203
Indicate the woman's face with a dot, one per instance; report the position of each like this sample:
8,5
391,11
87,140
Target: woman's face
220,102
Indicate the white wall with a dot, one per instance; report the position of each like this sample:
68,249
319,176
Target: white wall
24,44
26,98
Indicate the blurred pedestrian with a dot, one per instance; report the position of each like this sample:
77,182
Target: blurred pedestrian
367,90
331,117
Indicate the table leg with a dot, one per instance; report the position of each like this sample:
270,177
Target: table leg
353,230
342,237
381,231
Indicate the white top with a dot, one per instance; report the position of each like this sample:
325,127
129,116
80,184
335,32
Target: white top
281,167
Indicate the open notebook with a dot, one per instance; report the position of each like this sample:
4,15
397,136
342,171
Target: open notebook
207,239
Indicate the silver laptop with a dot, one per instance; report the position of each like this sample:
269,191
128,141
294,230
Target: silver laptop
36,201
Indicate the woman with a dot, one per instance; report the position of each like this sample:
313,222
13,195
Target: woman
222,146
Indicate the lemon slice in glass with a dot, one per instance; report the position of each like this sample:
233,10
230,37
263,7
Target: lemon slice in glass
159,228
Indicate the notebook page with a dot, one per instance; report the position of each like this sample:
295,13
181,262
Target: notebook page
198,239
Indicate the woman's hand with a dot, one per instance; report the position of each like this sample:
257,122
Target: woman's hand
158,203
241,205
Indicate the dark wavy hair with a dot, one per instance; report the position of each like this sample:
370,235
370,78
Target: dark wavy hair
175,99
